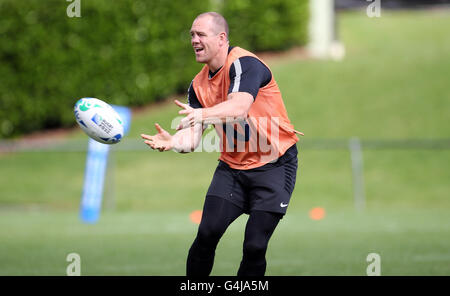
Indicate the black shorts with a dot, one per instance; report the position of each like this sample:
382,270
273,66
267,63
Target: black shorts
266,188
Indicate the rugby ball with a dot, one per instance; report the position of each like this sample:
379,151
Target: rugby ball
99,120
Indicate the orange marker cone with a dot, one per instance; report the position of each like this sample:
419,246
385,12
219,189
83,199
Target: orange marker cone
196,216
317,213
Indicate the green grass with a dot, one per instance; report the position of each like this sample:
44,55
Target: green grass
153,243
391,85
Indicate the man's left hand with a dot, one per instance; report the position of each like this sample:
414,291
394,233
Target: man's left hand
193,115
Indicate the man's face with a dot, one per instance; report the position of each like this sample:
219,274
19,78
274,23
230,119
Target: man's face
204,40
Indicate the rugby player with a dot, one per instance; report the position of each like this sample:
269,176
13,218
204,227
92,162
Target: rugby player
237,93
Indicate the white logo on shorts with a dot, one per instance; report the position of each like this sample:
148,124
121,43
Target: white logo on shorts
283,205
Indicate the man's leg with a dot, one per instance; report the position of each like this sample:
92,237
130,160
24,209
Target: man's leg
259,229
218,214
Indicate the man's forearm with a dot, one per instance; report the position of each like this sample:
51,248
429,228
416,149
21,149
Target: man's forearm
220,113
236,107
186,140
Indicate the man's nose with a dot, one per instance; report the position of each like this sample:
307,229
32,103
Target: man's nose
194,38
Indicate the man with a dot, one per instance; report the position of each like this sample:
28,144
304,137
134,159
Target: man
235,91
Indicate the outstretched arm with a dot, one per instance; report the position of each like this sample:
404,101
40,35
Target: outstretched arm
183,141
236,107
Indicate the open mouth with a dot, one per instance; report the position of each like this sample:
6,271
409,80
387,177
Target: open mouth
198,49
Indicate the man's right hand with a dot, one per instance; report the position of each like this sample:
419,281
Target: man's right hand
162,141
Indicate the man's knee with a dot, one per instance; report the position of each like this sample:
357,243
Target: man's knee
255,249
254,259
209,235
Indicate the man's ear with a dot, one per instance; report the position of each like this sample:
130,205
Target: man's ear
223,38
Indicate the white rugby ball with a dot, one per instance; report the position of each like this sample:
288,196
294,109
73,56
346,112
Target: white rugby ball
99,120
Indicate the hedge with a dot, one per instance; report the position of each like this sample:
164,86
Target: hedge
262,25
127,52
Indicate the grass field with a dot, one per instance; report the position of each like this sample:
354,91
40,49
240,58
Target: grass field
154,243
393,84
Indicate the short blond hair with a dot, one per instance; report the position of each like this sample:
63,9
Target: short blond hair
219,21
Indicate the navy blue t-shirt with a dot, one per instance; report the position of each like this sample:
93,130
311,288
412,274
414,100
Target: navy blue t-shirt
247,74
